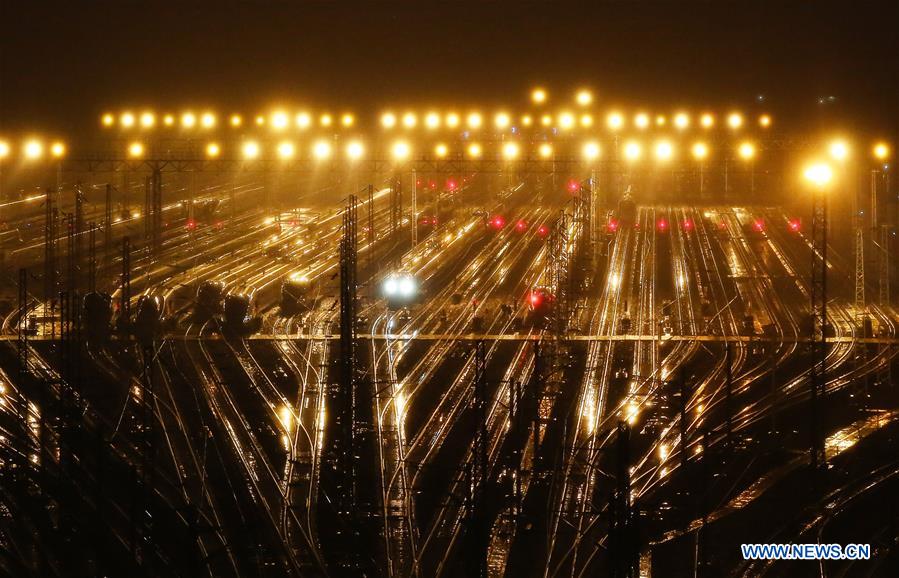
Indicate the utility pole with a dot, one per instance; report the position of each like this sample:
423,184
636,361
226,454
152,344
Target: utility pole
125,293
728,401
348,314
414,222
478,531
623,547
819,324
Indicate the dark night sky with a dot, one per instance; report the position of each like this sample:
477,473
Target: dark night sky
61,64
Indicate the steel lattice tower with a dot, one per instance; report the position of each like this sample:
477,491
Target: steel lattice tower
818,325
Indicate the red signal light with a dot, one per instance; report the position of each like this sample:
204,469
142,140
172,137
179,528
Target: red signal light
688,225
795,225
521,225
573,186
451,184
662,225
543,230
191,224
535,299
497,222
758,225
612,226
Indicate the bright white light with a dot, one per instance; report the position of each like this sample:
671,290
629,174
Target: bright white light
286,150
474,120
400,150
58,150
545,150
746,151
135,150
641,120
355,150
700,151
615,120
664,150
510,151
188,120
321,150
584,97
33,149
279,120
681,120
409,120
839,150
388,120
250,150
401,286
591,151
452,120
819,174
406,287
303,120
632,151
207,120
432,120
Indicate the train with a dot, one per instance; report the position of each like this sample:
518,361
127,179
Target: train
400,290
97,313
240,313
295,296
148,318
209,302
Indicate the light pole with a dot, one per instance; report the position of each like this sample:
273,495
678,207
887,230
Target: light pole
747,153
4,152
400,152
700,152
591,153
819,175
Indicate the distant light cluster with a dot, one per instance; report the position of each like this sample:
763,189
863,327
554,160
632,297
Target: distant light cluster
472,134
501,121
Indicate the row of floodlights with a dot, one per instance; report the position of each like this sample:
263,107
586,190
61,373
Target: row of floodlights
564,120
633,150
